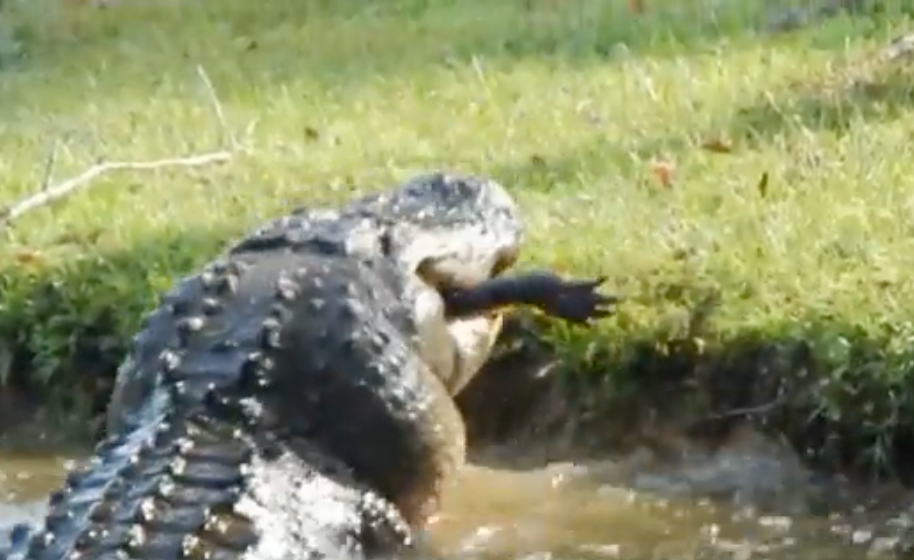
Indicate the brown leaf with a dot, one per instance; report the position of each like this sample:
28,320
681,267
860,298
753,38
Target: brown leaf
717,145
27,256
663,171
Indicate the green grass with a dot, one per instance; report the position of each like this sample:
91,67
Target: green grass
800,293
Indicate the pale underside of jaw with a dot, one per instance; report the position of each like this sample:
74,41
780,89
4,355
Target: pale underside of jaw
459,259
455,348
474,339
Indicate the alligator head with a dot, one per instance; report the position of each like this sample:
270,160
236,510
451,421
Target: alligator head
449,231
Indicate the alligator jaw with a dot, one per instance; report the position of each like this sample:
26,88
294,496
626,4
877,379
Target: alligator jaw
451,271
456,348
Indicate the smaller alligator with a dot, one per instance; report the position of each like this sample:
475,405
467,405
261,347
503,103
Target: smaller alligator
294,398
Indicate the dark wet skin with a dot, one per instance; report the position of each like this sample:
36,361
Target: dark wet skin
285,400
575,301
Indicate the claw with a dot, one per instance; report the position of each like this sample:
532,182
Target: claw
578,302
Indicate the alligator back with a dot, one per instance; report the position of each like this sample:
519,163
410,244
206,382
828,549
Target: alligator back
330,400
331,342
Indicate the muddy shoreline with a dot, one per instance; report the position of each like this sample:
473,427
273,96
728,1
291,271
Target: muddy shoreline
534,395
544,439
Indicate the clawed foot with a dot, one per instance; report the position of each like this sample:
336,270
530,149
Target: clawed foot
578,301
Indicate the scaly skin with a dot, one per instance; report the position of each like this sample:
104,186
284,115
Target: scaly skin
293,399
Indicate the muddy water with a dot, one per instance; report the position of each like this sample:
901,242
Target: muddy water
749,498
24,485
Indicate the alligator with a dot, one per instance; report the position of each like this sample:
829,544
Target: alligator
294,398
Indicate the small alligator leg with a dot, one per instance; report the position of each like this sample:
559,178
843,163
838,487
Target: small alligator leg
575,301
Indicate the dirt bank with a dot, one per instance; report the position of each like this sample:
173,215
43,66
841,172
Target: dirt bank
563,400
663,393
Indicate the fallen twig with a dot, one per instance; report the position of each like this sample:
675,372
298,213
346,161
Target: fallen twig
49,193
61,190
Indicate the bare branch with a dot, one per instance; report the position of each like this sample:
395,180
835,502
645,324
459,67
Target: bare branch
61,190
49,193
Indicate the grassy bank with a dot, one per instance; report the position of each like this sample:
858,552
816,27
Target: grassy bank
792,295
